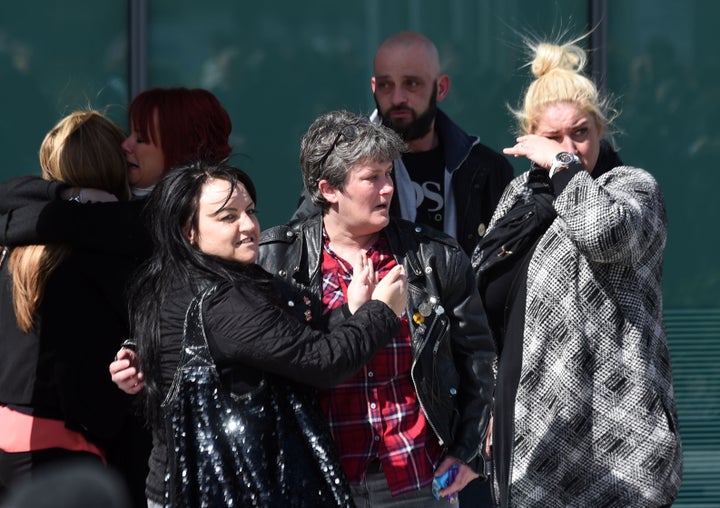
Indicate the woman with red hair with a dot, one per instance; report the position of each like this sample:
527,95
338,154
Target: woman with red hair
171,126
168,127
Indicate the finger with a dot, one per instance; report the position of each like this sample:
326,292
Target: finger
390,277
132,389
398,272
118,365
123,353
124,375
136,389
446,464
125,382
464,476
361,270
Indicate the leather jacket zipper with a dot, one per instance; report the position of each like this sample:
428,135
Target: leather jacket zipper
428,335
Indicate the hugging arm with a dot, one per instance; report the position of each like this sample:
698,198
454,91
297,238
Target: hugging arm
238,323
106,227
28,190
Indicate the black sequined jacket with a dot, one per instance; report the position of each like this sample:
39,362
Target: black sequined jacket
249,335
453,350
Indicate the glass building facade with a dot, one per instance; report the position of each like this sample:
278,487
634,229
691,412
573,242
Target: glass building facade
277,65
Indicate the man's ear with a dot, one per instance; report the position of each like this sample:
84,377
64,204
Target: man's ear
372,84
443,86
328,191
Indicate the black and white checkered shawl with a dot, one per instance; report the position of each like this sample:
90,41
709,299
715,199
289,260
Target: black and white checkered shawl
595,421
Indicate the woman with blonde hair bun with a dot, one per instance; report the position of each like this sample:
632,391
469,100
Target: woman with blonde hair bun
570,273
62,315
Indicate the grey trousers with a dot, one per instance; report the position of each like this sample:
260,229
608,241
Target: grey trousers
375,493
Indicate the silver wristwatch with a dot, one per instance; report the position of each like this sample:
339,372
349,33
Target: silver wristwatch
77,197
562,160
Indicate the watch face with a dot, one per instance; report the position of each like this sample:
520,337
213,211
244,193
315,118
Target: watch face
565,157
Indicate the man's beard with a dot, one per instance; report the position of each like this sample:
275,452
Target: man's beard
419,126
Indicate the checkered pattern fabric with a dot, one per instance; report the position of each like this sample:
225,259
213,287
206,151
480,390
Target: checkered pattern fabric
595,422
376,413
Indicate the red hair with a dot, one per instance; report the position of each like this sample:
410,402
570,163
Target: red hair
191,124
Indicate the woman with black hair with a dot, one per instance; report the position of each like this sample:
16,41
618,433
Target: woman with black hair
201,305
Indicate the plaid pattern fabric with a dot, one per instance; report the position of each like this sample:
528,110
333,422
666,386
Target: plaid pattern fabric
595,420
376,413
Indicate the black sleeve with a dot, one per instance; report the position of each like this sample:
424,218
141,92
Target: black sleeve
84,313
562,178
337,316
106,227
504,175
246,329
27,190
499,176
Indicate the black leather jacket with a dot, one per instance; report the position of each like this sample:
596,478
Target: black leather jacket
479,177
453,350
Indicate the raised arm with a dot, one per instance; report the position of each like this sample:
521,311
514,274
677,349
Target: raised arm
28,190
105,227
617,218
254,331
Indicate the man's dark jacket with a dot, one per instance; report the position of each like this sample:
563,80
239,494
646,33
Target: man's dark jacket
452,349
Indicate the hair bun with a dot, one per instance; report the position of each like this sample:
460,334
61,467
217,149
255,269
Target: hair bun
550,57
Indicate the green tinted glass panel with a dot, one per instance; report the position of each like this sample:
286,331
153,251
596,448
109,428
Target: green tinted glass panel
56,57
277,66
664,65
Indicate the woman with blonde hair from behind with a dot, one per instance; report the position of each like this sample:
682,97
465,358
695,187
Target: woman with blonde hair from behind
570,273
62,315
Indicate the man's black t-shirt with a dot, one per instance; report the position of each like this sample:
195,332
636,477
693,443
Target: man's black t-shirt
427,172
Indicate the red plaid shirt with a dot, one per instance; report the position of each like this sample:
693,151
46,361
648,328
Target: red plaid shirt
376,413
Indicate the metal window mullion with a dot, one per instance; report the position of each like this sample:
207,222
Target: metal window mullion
598,42
138,47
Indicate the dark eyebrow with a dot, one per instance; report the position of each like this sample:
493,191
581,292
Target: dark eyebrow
223,209
404,76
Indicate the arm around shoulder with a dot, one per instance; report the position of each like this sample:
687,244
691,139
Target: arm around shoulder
240,321
27,190
110,227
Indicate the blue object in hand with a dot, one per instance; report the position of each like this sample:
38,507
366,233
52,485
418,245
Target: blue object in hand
442,481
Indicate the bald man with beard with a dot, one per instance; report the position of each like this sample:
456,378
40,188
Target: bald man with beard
447,179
